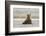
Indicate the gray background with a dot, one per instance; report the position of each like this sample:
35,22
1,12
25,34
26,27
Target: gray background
21,13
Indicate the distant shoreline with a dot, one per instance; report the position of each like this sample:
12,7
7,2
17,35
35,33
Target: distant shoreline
24,19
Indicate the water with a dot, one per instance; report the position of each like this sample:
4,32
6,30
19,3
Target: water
18,23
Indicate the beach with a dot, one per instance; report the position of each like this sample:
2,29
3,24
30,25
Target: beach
18,23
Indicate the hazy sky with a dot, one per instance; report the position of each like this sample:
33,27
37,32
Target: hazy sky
22,12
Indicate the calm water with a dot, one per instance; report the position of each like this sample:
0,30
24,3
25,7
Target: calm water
18,23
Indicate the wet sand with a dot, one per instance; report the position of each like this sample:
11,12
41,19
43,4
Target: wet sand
17,23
